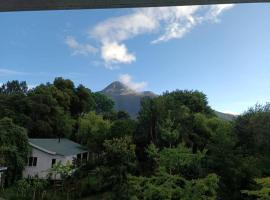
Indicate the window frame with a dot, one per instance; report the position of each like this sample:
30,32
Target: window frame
32,161
53,162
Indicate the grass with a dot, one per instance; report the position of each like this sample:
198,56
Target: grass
7,193
11,194
104,196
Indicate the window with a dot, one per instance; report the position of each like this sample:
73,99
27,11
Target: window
35,161
53,161
32,161
79,159
85,157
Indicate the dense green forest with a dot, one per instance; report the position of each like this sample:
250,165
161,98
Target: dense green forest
176,149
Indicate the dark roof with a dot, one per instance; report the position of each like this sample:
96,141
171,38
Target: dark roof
65,147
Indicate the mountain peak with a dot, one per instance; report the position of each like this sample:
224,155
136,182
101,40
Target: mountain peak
117,87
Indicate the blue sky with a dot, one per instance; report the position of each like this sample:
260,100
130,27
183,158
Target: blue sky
222,50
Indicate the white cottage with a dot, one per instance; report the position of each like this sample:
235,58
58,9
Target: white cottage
46,152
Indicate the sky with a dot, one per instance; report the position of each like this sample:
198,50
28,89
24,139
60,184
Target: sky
221,50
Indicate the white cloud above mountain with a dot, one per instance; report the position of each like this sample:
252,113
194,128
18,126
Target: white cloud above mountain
128,80
165,23
114,53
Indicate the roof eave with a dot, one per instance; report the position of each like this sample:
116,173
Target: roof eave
42,149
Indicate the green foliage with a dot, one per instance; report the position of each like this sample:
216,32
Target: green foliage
52,109
60,170
179,160
177,148
168,133
85,100
164,186
263,193
182,161
122,127
119,161
30,189
103,104
120,150
196,101
93,130
13,148
177,176
179,116
122,115
14,87
49,118
253,131
235,168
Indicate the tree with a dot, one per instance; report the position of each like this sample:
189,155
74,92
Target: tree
170,180
49,118
31,188
181,160
14,103
164,186
235,169
93,130
76,100
168,133
86,101
122,115
61,170
175,117
123,127
14,87
253,131
119,161
103,103
51,109
263,192
13,148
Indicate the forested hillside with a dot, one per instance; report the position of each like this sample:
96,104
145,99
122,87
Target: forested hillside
177,148
128,100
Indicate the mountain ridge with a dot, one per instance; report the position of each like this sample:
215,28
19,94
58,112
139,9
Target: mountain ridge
129,100
117,87
125,98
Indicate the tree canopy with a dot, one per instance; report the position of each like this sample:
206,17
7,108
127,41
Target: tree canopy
177,148
13,148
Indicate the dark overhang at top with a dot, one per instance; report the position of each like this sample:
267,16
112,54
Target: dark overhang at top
31,5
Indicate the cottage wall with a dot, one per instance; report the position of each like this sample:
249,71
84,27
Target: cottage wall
44,163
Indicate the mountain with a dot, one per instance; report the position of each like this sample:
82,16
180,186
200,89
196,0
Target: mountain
117,88
125,98
225,116
129,100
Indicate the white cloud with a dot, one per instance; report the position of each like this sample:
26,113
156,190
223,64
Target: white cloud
166,23
124,27
114,53
175,21
7,72
231,112
78,48
169,22
216,10
127,80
